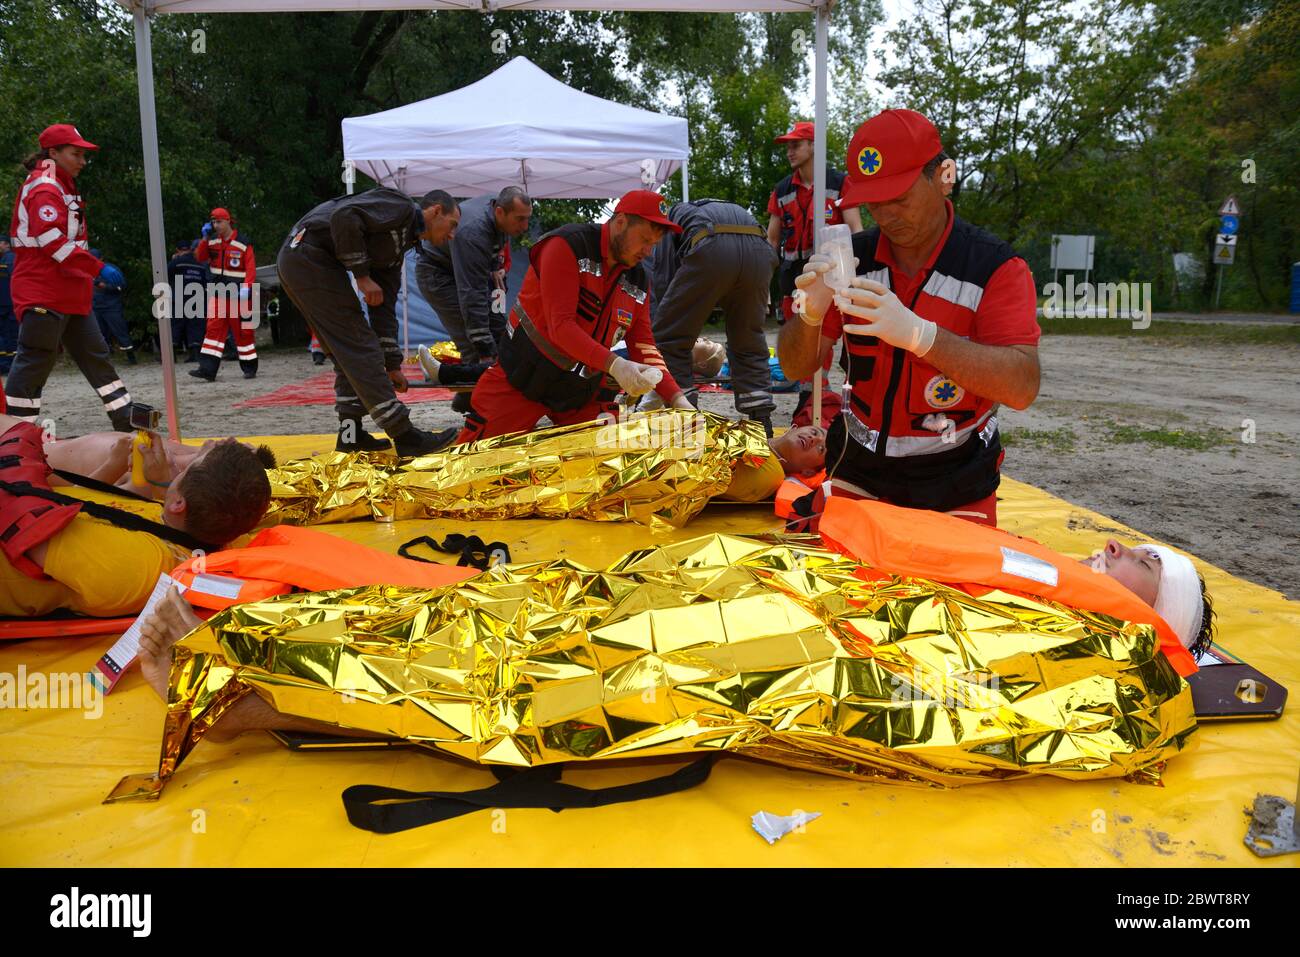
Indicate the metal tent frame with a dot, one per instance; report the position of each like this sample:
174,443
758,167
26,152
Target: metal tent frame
143,10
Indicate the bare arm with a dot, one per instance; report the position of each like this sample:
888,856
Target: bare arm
1009,375
801,349
774,231
853,216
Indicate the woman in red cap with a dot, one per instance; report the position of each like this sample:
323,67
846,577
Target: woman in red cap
53,282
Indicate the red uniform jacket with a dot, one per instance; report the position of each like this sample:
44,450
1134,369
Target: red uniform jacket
583,309
52,266
232,265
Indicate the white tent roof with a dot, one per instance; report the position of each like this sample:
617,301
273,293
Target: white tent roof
518,125
483,6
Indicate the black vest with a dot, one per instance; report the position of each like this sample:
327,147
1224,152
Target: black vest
543,373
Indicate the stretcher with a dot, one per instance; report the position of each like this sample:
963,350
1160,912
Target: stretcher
256,802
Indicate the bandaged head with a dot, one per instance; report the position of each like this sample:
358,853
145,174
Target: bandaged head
1178,599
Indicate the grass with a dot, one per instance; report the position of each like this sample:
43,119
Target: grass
1278,334
1059,440
1199,441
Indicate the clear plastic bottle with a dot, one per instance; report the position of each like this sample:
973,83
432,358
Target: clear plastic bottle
837,242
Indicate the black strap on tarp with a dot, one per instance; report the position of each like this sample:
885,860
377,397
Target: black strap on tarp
85,481
471,549
385,810
114,516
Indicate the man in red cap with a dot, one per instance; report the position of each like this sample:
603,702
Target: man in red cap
792,222
53,281
792,230
940,327
232,270
584,291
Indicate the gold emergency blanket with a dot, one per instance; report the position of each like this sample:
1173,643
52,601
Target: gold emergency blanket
658,469
781,652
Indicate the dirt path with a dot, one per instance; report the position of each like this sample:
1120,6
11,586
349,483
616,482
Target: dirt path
1152,432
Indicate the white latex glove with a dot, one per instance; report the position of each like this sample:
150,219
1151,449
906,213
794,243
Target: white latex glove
885,317
635,378
681,402
816,296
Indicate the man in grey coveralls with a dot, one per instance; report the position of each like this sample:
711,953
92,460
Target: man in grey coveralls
464,278
720,258
368,235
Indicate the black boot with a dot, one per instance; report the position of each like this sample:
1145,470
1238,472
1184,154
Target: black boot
460,403
353,438
193,355
200,374
130,356
415,441
318,358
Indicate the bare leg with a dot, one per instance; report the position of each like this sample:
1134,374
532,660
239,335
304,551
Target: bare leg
171,620
101,455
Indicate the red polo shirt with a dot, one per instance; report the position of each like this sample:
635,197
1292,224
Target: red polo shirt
1007,313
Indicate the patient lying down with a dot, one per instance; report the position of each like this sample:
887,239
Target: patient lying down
106,456
1159,576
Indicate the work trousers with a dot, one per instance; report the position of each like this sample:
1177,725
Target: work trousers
732,272
319,287
111,318
40,333
497,408
224,316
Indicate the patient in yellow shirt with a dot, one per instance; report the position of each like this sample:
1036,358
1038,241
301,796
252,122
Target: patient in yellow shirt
94,568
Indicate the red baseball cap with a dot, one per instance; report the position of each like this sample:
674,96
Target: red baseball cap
886,155
219,213
63,134
649,205
801,131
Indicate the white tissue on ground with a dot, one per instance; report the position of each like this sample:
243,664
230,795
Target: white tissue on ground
773,827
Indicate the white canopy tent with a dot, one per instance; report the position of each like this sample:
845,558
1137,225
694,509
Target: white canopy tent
142,10
555,141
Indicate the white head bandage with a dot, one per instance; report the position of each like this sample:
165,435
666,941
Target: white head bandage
1178,599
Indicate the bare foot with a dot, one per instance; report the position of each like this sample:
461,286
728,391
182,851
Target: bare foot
170,621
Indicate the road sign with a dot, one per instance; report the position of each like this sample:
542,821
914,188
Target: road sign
1225,250
1228,225
1230,207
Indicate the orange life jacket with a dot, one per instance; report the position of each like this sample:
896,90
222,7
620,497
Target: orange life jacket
925,544
26,520
795,487
286,558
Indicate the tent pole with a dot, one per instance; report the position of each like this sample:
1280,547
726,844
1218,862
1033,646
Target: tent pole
153,202
686,181
819,164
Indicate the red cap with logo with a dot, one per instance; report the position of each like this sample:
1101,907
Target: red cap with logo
801,131
649,205
219,213
63,134
886,155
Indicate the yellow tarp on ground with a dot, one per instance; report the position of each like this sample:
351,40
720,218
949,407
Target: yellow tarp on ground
255,803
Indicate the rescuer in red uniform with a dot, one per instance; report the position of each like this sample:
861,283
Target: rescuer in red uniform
232,270
584,291
53,282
